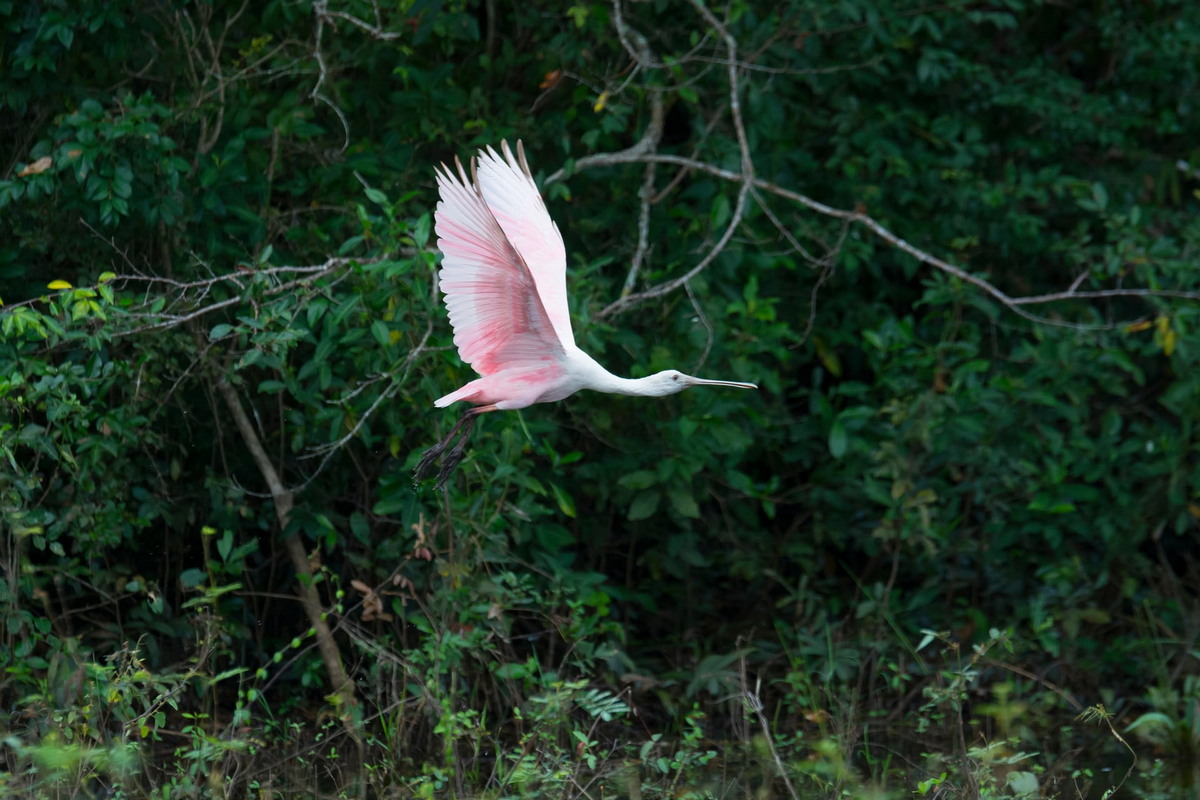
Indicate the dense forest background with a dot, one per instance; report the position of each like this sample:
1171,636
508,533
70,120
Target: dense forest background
949,549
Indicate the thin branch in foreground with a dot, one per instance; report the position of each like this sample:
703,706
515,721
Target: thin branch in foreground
755,704
326,451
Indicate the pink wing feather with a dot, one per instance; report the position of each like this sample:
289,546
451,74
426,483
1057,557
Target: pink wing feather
511,194
499,320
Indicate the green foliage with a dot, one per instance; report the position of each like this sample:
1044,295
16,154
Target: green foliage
648,596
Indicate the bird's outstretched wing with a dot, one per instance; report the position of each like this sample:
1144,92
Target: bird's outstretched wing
499,320
510,192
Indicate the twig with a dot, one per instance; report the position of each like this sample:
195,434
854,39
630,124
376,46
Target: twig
624,303
830,261
783,230
708,342
750,66
747,174
638,48
376,31
643,239
1058,690
321,12
327,450
1080,278
756,706
307,273
1098,712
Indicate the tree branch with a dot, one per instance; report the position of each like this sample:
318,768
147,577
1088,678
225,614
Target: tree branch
284,500
874,226
746,177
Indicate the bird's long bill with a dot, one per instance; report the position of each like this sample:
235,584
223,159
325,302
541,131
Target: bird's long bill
735,384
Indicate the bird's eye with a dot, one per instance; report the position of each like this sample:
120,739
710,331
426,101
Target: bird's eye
674,376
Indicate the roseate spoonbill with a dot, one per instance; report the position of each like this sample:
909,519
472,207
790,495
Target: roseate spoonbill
504,274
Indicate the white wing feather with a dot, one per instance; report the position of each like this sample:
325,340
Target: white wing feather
498,318
514,199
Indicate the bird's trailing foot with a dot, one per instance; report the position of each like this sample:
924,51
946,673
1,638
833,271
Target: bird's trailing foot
461,431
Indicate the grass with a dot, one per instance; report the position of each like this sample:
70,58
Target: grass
497,682
118,729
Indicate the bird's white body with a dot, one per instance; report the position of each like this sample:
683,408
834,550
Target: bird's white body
556,381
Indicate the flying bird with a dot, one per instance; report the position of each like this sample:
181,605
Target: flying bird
504,274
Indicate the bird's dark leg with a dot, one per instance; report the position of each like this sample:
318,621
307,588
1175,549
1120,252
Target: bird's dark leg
451,459
461,431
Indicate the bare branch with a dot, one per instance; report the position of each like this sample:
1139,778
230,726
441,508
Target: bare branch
643,240
645,152
623,303
746,175
308,273
284,500
857,217
784,230
376,31
326,451
830,261
735,103
321,12
750,66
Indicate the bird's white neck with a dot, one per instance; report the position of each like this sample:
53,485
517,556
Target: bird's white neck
595,377
637,387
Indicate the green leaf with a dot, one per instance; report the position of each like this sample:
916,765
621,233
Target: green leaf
391,504
837,438
565,504
359,528
721,211
1023,784
641,479
191,578
683,502
1153,719
1050,504
579,14
420,231
512,671
644,504
379,330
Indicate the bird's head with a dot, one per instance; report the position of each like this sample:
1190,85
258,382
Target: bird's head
671,381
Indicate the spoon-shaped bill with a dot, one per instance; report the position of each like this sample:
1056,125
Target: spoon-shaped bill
703,382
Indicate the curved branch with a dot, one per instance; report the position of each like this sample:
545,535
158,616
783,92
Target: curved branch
321,11
623,303
746,175
639,50
874,226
